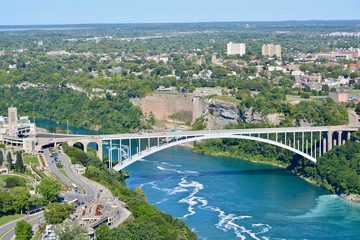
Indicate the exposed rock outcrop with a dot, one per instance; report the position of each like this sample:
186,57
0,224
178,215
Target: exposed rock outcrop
220,113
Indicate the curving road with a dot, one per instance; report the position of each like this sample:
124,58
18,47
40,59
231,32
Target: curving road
51,164
9,228
353,117
78,179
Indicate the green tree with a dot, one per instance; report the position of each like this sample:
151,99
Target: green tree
49,188
9,161
357,109
14,181
1,158
19,164
52,130
57,212
199,123
152,119
355,136
219,72
70,230
6,204
21,197
23,230
325,88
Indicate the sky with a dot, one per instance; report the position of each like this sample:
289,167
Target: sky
28,12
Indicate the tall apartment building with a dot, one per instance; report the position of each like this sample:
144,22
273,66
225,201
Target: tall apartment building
271,50
13,120
235,48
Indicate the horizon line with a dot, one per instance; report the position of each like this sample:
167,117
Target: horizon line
196,22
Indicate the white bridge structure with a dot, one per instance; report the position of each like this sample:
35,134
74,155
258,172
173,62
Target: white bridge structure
125,149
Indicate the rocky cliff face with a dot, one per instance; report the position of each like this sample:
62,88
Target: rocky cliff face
218,113
221,113
250,116
164,105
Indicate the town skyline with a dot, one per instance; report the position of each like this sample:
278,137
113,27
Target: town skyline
40,12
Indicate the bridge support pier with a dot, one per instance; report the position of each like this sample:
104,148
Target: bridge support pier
330,140
99,152
339,138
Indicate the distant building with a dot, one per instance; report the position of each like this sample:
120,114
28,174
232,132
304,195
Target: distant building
339,97
334,56
346,54
271,50
236,48
13,119
17,132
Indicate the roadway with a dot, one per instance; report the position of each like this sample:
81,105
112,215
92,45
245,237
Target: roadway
53,137
72,177
227,132
78,179
34,219
353,117
57,135
51,164
9,228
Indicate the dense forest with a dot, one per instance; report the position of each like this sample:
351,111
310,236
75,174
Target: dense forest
146,222
337,170
109,115
272,100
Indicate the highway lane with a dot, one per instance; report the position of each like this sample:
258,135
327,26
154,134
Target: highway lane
72,177
9,228
51,164
78,179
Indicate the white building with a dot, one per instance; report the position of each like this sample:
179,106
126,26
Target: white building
17,132
13,120
235,48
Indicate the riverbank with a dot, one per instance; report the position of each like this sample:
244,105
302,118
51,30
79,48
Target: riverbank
355,198
260,159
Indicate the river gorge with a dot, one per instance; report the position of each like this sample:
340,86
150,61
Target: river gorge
227,198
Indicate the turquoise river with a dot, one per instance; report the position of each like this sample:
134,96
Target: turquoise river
227,198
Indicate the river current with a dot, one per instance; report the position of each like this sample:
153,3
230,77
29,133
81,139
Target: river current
227,198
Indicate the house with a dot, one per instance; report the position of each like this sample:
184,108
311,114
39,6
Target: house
4,169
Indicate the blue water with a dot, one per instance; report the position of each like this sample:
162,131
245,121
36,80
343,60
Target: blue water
47,123
226,198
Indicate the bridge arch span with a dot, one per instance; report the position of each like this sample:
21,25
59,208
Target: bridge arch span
155,149
80,145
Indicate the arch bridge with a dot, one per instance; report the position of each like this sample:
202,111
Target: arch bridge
125,149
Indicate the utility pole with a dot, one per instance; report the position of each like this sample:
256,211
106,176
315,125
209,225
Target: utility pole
67,122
